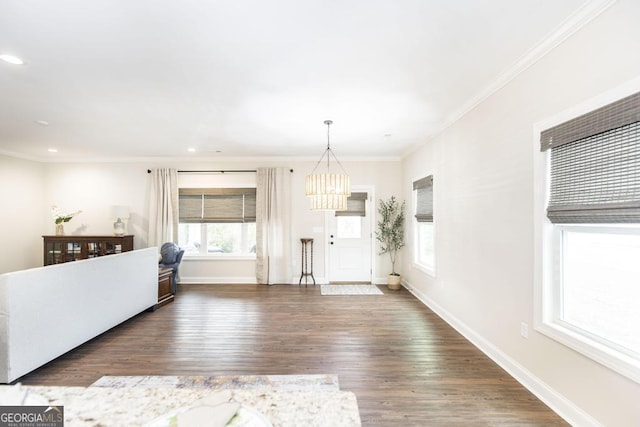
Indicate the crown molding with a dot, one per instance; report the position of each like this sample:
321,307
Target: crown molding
567,28
194,159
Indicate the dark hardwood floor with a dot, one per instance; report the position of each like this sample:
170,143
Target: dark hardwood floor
405,365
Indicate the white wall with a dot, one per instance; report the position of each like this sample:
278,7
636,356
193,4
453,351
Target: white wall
483,184
483,181
95,187
385,177
21,215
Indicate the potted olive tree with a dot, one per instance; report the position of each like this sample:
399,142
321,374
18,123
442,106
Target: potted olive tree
390,234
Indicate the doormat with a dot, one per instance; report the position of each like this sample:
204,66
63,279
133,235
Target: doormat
350,290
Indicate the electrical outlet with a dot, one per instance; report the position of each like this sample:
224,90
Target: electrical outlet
524,330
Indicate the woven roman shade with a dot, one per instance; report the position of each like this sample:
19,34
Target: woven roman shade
596,177
216,205
611,116
424,199
189,207
356,205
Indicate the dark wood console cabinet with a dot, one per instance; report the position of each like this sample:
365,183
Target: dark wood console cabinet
59,249
165,279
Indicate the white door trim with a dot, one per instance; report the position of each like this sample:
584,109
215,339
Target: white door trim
373,211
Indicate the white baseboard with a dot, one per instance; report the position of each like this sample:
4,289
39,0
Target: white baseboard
319,280
566,409
249,280
189,280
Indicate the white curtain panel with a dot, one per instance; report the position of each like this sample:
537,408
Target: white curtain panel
163,207
273,226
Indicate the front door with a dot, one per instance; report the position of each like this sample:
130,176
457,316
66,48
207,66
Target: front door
350,242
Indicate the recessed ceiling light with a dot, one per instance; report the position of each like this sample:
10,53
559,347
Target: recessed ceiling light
42,122
12,59
191,150
52,150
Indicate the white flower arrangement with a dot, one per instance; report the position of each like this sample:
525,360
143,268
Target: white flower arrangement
59,217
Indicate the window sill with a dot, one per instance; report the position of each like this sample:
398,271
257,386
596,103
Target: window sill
620,362
425,269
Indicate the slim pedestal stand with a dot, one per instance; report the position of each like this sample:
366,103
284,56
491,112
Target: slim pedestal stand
307,267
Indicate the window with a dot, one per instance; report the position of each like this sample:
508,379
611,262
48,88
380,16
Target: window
600,278
349,221
217,221
591,289
424,229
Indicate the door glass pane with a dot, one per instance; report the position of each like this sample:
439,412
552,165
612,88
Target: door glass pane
349,227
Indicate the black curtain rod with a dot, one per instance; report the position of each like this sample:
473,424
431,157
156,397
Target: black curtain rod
218,171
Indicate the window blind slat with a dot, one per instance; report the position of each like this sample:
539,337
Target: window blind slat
356,205
612,116
424,199
222,208
425,182
190,208
250,207
217,205
597,179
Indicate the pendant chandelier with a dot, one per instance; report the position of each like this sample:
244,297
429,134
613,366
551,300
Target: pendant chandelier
328,191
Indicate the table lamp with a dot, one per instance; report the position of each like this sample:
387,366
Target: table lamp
120,213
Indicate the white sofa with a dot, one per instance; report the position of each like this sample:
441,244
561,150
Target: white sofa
47,311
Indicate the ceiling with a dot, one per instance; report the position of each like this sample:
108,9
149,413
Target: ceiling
140,79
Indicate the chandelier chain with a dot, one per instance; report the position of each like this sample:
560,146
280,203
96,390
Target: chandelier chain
329,152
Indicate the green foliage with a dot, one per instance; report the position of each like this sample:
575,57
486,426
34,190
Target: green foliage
390,232
222,238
